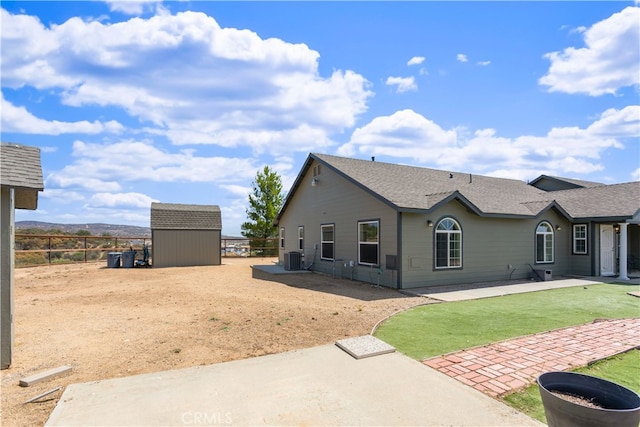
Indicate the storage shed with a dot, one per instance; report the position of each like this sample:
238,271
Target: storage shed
185,235
20,183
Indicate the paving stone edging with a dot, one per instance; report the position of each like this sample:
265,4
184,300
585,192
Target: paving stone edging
506,366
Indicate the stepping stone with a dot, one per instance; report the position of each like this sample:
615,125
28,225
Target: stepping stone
364,346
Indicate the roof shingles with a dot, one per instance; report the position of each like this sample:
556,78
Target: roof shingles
20,167
170,216
409,187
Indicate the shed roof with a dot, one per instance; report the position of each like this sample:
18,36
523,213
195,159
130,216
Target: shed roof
21,170
172,216
410,188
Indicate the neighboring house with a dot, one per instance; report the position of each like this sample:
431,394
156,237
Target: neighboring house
405,227
185,235
20,183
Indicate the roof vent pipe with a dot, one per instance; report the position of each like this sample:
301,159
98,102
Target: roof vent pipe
373,158
470,178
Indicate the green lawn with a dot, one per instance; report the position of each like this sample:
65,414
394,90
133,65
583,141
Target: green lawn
435,329
623,369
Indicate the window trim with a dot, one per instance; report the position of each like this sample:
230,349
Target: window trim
282,238
376,243
332,242
301,237
547,234
448,233
576,239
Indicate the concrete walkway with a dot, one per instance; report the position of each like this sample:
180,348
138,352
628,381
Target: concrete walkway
316,386
494,289
503,367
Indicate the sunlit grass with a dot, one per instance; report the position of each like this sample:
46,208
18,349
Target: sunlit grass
436,329
623,369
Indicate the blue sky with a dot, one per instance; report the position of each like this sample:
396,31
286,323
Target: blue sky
183,102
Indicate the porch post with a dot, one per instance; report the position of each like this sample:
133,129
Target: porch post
623,252
7,238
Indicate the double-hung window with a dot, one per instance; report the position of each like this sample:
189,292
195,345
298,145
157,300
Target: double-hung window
327,233
282,238
368,242
301,238
544,243
448,244
580,239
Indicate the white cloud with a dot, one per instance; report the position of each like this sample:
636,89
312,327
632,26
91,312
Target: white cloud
106,166
635,175
609,61
403,134
19,120
568,150
461,57
416,60
120,200
403,84
484,63
177,72
132,7
62,196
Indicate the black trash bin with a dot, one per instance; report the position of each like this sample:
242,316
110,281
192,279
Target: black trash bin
620,407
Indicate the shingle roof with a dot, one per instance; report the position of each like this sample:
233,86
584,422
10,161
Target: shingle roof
409,188
185,217
564,183
20,167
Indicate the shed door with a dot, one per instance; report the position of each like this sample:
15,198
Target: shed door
607,250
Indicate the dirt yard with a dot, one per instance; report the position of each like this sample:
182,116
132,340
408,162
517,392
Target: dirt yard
107,322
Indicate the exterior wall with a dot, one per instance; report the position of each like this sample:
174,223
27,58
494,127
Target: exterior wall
334,200
634,245
180,248
581,264
492,248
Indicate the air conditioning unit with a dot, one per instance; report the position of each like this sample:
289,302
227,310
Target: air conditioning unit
292,261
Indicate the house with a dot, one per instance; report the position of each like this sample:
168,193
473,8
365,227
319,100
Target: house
20,183
185,235
406,227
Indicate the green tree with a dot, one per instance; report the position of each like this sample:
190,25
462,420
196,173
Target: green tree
265,202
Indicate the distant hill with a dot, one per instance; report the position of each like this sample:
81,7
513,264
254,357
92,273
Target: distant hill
94,229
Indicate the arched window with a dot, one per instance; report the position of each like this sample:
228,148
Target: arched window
448,244
544,242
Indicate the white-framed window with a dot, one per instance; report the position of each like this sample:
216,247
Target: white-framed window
544,243
448,243
580,239
301,238
327,233
368,242
282,238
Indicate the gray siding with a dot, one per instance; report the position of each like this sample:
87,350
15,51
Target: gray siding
489,247
335,200
178,248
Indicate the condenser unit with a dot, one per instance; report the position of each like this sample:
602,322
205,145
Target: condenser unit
292,261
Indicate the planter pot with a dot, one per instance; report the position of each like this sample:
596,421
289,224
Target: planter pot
619,406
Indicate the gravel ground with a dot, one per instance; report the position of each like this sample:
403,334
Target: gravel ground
107,322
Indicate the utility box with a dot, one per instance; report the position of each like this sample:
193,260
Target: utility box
544,275
292,261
